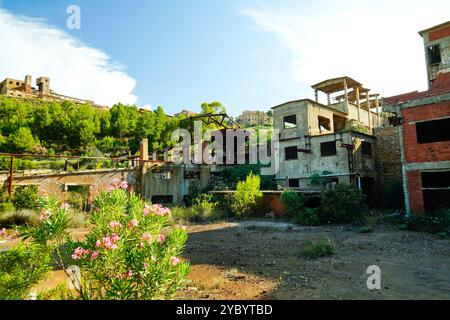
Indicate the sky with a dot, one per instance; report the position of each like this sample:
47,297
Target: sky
249,55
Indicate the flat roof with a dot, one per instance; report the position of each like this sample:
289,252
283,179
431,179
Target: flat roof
314,102
435,27
336,84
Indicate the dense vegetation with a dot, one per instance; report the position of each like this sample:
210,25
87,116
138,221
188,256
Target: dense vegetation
40,127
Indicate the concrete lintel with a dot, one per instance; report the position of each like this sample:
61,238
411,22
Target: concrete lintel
418,102
432,166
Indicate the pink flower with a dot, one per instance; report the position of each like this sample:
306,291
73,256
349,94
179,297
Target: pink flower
115,224
65,206
146,265
147,237
161,238
130,274
123,185
119,276
159,210
80,253
174,261
146,210
3,232
108,242
94,255
133,223
45,214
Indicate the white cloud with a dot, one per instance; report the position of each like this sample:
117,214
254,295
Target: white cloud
374,42
29,46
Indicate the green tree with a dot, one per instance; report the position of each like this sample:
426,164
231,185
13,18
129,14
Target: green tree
247,199
22,140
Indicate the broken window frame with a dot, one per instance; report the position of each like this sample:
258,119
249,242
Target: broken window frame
294,183
290,122
366,149
431,131
326,151
290,153
325,123
434,54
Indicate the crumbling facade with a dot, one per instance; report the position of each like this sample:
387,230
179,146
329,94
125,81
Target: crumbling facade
23,89
423,120
331,140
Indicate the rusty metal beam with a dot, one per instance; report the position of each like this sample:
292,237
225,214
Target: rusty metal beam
11,177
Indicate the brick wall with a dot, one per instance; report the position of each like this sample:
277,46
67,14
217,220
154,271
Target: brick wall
415,192
439,34
426,152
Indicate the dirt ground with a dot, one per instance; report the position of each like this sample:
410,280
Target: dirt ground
263,260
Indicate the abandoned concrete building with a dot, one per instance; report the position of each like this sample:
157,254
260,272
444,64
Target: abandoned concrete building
23,89
333,140
250,118
423,120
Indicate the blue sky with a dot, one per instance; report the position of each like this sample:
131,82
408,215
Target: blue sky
246,54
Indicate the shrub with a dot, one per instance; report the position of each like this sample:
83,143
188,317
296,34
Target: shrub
25,197
308,217
437,222
247,198
19,218
343,204
318,248
293,202
61,292
21,268
204,208
125,255
6,206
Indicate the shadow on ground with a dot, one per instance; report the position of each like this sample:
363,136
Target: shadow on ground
260,260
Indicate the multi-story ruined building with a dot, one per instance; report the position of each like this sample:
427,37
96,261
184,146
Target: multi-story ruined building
423,120
23,89
250,118
333,139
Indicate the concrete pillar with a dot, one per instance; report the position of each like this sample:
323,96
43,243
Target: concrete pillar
141,168
377,105
346,95
368,110
143,149
358,103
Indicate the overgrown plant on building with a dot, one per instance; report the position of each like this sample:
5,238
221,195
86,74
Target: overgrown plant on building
247,200
126,255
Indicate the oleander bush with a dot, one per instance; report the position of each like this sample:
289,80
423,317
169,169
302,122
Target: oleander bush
128,254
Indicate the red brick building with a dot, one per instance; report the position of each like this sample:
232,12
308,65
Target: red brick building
423,120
